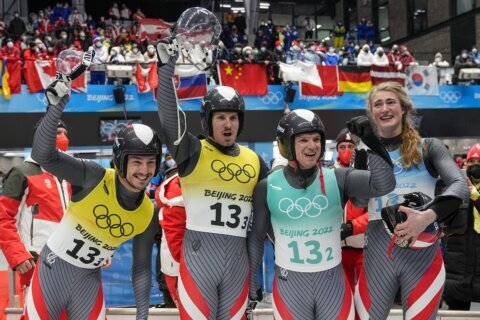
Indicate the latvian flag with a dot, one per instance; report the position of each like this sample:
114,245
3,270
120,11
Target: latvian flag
381,74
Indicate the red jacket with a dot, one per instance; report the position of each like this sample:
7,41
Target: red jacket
31,206
169,199
359,219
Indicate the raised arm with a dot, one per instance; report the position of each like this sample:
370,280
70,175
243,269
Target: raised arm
44,150
182,145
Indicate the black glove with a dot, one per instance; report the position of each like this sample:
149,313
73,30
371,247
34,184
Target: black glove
346,230
391,216
361,159
362,128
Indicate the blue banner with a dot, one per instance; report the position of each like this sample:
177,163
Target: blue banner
101,99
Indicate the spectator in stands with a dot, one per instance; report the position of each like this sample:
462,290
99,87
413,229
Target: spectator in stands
114,12
10,52
462,61
365,57
134,55
150,56
248,56
97,74
236,55
125,13
21,43
115,56
352,55
380,58
394,57
309,26
475,55
294,53
17,26
241,23
123,38
260,38
362,30
438,61
338,35
462,261
223,53
84,39
311,55
343,57
75,17
371,44
90,23
332,57
138,15
66,11
406,58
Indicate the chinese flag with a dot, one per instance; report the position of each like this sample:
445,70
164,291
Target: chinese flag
329,76
247,79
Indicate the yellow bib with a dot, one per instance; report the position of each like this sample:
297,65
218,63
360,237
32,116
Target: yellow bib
218,192
95,226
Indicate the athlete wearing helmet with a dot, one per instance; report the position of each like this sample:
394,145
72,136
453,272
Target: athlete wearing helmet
302,204
417,270
217,176
108,207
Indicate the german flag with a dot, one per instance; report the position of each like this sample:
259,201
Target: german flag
354,79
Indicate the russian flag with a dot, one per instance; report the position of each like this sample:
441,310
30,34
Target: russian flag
190,82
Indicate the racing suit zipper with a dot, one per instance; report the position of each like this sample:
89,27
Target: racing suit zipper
34,212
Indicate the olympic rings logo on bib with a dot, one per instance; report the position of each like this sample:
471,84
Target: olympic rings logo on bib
296,210
112,222
227,172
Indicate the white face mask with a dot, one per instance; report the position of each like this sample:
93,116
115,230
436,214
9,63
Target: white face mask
135,50
474,50
64,36
151,50
279,48
10,44
98,44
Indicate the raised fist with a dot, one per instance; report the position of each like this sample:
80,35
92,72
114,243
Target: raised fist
56,91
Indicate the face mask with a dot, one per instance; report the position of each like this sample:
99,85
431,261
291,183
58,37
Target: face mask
135,50
98,44
50,50
64,36
263,49
151,51
296,48
248,53
62,142
82,37
279,48
473,172
464,55
16,15
238,50
474,50
344,157
10,44
24,38
170,163
438,59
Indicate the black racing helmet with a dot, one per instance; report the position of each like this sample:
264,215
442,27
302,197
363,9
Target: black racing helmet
221,98
293,123
135,139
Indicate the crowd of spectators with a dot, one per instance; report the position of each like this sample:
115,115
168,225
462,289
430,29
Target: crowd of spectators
113,38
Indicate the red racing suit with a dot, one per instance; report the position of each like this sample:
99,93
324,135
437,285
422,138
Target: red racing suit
169,199
31,206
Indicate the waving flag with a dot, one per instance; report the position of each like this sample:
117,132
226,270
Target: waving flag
381,74
301,72
329,76
354,79
5,88
147,77
190,82
151,28
39,74
247,79
421,81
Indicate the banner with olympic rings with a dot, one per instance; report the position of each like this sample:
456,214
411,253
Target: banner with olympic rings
100,98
